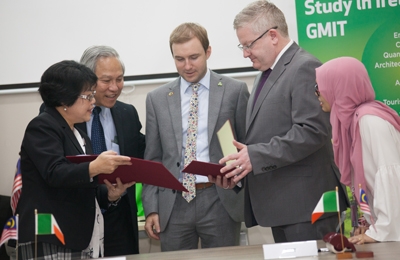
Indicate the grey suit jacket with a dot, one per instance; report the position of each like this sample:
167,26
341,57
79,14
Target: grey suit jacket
164,138
289,143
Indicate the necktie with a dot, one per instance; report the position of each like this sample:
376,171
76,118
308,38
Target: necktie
97,137
263,79
190,149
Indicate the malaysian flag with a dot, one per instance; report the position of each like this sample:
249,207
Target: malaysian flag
364,207
17,187
10,230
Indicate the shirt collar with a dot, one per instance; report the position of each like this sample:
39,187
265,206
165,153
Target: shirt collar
105,111
281,53
205,82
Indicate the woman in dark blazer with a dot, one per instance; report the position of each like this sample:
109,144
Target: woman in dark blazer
52,184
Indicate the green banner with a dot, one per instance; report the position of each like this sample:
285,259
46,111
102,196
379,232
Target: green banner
368,30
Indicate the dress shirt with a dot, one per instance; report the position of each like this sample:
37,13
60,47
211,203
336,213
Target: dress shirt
381,161
281,53
96,246
202,149
110,133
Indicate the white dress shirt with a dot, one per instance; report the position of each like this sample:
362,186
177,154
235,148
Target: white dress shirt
380,143
202,149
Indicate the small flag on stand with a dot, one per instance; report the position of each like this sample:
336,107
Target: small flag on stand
46,224
364,206
10,230
329,202
17,187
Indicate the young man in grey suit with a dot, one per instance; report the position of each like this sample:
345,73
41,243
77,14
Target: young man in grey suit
287,155
121,125
213,214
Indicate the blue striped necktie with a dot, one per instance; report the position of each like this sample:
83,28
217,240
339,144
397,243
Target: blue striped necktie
97,137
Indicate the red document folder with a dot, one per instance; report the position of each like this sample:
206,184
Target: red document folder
204,168
143,171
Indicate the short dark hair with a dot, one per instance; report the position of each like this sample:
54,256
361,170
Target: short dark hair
63,82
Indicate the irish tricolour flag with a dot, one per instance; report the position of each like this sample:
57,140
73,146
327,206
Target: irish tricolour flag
329,202
46,224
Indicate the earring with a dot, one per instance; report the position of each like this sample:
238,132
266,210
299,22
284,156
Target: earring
65,108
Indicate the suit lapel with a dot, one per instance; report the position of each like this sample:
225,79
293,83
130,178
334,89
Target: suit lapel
88,143
82,127
68,132
251,101
174,106
215,101
73,139
278,70
119,126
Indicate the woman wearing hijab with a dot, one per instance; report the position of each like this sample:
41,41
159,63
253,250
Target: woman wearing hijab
366,143
52,184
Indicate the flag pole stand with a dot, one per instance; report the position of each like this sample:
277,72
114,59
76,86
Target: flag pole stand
35,235
16,243
343,254
16,250
365,254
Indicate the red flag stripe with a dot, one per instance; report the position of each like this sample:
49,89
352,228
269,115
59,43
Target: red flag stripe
365,208
14,200
316,216
59,234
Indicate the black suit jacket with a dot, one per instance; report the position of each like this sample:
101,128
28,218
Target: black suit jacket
131,143
51,184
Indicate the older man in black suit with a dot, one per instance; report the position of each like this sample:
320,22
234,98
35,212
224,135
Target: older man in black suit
121,126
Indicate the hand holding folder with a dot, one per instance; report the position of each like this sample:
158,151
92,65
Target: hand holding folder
204,168
225,137
143,171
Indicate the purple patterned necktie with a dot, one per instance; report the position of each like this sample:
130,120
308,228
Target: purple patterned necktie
261,83
190,149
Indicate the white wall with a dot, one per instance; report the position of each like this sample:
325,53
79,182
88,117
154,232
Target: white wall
16,110
33,37
139,30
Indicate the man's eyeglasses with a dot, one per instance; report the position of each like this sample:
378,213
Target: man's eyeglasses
248,47
89,97
316,90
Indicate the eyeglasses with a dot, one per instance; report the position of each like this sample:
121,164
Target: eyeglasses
89,97
316,90
248,47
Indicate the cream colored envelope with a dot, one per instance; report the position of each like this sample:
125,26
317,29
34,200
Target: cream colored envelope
225,137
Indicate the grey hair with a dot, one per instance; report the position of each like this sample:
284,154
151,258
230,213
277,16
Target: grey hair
262,15
92,54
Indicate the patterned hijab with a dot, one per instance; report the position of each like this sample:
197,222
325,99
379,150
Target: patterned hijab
345,84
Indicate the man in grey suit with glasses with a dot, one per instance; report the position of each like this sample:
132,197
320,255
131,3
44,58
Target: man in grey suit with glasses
287,157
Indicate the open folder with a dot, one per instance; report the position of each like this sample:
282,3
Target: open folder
143,171
225,137
204,168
